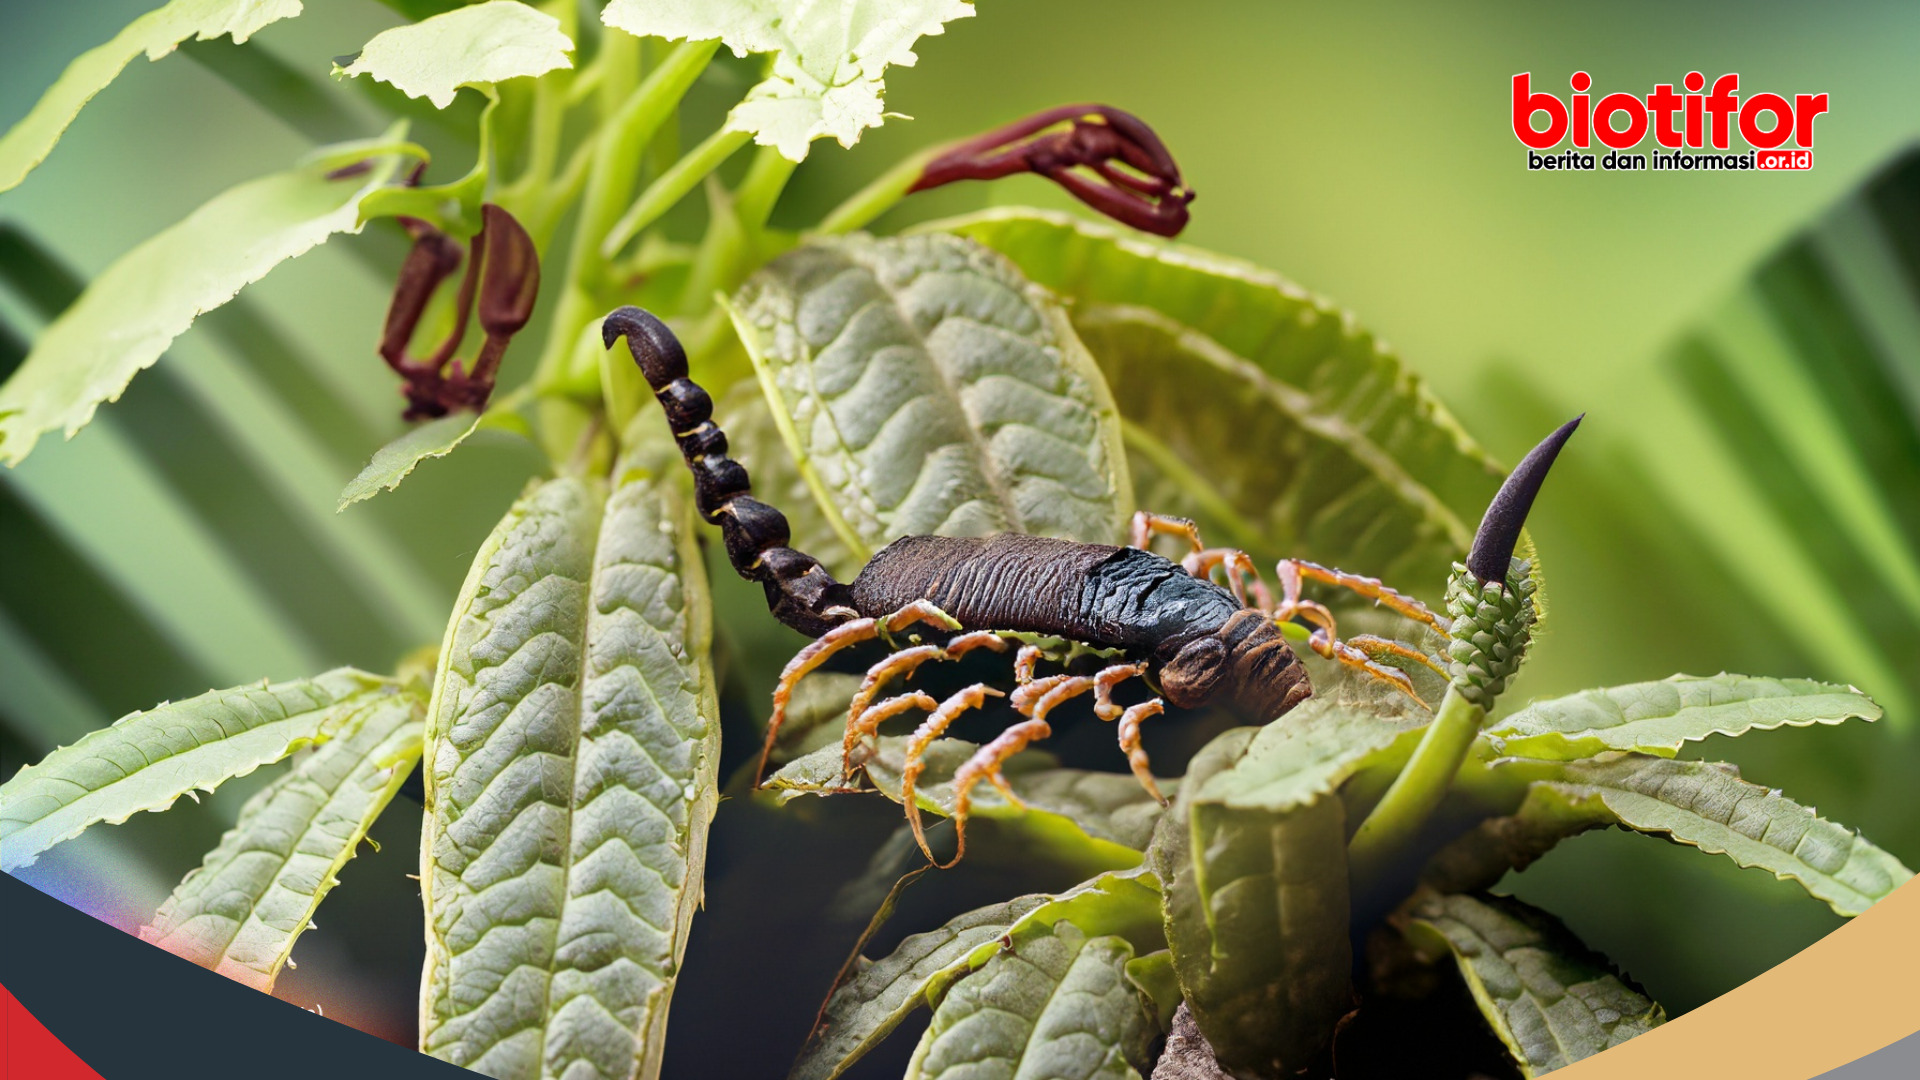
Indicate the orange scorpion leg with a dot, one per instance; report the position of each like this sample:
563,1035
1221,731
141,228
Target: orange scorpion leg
863,721
1033,700
1146,525
1363,651
935,726
818,651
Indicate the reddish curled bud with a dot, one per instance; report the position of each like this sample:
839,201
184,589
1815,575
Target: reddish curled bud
503,268
1109,159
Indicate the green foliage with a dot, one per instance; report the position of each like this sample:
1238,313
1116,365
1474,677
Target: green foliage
828,65
130,313
574,742
1659,717
147,760
1059,1005
1708,806
393,462
925,387
1549,998
242,910
1401,464
156,33
1125,904
468,46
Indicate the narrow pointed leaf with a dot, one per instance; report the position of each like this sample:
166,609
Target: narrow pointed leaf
1548,997
1352,379
1058,1005
926,387
871,1004
147,760
156,33
573,742
242,910
1658,717
130,313
395,461
478,45
1706,805
1106,807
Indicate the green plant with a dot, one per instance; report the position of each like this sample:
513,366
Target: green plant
569,718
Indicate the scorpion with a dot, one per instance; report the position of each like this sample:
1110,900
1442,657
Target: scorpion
1192,640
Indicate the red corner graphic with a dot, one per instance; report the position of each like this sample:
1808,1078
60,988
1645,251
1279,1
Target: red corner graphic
29,1050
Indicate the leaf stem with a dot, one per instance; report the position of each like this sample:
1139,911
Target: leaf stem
877,197
1418,789
671,186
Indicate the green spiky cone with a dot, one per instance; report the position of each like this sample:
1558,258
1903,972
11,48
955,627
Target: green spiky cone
1492,625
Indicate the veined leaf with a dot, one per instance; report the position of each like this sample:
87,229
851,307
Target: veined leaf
1059,1005
870,1005
1106,807
1706,805
1219,438
146,760
393,462
1657,717
478,45
130,313
1350,384
1257,906
574,738
1295,762
1549,998
831,56
924,386
156,33
242,910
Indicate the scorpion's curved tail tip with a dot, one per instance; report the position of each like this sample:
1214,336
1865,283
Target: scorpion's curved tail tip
1500,529
625,322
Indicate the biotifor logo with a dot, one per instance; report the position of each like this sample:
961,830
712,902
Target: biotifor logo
1681,123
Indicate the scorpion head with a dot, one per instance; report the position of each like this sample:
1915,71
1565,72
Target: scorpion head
1244,665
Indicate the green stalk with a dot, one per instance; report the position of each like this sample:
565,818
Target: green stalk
672,186
611,177
766,178
877,197
1393,824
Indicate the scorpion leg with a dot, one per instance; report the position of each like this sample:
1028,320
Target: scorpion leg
1239,571
1035,700
903,663
1376,647
819,650
1363,651
936,725
1103,684
1296,572
1147,524
870,719
1130,744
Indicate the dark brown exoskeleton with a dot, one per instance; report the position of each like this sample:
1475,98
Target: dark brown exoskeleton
1201,643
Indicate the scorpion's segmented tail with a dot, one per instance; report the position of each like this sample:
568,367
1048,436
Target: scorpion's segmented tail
799,590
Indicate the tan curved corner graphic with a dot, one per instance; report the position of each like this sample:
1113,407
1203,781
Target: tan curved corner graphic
1847,995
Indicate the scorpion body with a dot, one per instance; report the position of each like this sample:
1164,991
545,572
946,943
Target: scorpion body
1199,642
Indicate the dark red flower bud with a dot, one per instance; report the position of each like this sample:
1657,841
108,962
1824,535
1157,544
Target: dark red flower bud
502,267
1109,159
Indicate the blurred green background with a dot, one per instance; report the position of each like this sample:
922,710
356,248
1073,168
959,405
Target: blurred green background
1723,509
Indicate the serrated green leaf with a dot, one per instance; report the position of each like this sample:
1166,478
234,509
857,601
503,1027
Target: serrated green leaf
832,54
1106,807
1706,805
1657,717
130,313
147,760
393,462
470,46
156,33
1415,474
241,911
574,738
1548,997
870,1005
1294,762
1257,914
924,386
1059,1005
